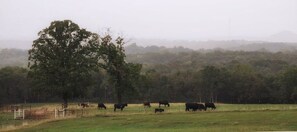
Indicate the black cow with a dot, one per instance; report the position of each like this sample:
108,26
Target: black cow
101,106
195,106
164,102
201,107
210,105
147,104
84,105
159,110
120,106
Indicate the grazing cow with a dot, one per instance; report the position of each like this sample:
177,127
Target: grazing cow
201,107
120,106
147,104
195,107
210,105
84,105
164,102
101,106
159,110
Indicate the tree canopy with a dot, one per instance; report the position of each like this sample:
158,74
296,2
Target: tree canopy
64,56
61,58
123,74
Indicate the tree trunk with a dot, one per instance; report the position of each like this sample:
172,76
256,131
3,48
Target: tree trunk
119,88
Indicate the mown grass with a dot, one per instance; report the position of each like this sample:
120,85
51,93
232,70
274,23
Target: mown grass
227,117
198,121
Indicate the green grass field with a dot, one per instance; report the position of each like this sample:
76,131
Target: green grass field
227,117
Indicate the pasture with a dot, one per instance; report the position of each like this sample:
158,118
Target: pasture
227,117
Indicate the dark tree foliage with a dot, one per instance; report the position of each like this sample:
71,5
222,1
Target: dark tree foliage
61,59
232,82
64,58
289,81
123,74
14,85
211,79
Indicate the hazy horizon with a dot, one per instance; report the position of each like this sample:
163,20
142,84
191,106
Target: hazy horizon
167,19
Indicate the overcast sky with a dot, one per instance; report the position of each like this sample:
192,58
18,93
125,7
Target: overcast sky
164,19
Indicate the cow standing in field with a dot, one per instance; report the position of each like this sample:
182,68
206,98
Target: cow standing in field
210,105
159,110
101,106
147,104
84,105
195,107
120,106
164,102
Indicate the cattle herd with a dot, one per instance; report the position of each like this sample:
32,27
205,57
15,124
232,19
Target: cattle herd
197,106
189,106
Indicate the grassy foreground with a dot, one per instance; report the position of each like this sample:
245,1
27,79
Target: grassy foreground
203,121
225,118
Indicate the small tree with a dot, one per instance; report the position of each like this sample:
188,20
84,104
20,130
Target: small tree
62,57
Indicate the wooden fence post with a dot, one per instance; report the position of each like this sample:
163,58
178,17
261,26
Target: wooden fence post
55,112
63,112
14,114
23,114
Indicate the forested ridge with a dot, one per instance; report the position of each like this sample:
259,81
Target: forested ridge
212,75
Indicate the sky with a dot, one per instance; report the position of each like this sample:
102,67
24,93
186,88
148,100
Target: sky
157,19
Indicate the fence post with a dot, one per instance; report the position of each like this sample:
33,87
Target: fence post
14,114
63,112
23,114
55,112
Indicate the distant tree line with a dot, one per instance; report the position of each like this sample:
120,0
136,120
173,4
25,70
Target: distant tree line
265,81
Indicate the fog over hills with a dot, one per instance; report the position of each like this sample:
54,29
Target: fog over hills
284,36
14,53
282,41
217,45
15,44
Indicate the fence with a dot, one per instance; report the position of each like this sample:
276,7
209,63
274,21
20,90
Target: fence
58,113
19,114
47,114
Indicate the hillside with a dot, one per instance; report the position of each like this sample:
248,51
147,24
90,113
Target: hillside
174,59
135,49
180,55
233,45
13,57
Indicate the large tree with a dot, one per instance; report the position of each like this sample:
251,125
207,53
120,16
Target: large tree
62,57
123,74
